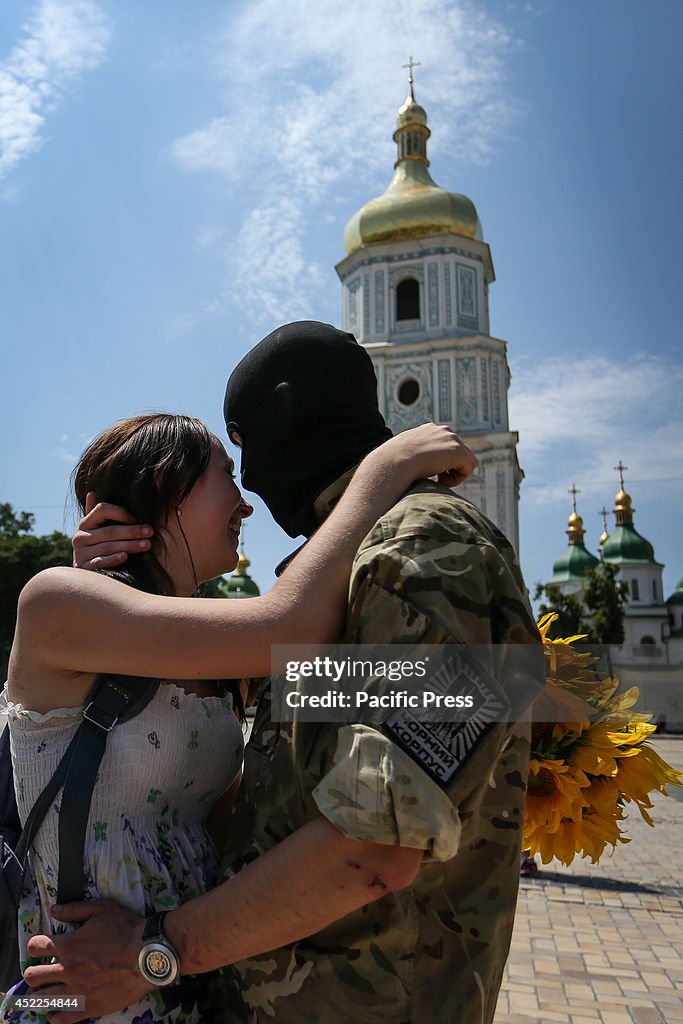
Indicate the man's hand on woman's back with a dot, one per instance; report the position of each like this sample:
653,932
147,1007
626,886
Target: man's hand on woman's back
106,535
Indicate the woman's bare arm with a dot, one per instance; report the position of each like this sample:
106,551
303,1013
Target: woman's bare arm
73,621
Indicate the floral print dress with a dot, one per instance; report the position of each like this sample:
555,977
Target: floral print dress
147,845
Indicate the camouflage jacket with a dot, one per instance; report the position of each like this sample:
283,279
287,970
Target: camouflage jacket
432,570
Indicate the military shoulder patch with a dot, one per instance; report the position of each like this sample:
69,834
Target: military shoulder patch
441,747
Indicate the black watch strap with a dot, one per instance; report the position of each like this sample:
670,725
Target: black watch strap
154,929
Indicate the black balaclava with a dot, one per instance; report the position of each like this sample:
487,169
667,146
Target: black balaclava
304,403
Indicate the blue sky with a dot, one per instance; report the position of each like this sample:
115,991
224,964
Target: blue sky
175,179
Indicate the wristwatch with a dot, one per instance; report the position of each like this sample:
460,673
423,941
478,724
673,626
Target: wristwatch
158,961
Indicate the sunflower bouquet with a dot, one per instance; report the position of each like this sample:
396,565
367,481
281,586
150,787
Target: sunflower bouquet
589,758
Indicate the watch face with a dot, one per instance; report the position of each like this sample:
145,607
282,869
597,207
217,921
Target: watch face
158,964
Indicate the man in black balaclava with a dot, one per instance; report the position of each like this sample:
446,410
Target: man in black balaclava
302,405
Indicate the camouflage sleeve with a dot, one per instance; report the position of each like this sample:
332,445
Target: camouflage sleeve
374,792
438,572
423,577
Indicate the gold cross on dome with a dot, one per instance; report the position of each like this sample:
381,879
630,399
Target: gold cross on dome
621,469
573,490
604,513
410,65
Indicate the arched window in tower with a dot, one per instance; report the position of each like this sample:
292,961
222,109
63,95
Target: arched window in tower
635,590
408,299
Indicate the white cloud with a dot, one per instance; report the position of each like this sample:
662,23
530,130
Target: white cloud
577,417
282,287
61,40
179,325
67,455
309,92
71,446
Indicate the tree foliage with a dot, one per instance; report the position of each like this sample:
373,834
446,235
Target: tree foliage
604,597
22,555
568,607
597,610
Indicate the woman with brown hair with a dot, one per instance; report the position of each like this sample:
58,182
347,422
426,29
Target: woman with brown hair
147,843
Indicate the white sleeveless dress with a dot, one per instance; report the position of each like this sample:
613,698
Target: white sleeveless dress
147,846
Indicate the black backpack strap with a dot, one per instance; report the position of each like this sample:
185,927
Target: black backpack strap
114,699
10,825
15,866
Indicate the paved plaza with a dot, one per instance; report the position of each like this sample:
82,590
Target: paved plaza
604,942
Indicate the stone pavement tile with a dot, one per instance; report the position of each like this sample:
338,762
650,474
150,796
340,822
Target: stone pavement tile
632,984
523,1001
514,988
517,1018
667,1001
614,972
615,1017
550,995
543,965
648,1015
603,987
523,1018
579,990
656,980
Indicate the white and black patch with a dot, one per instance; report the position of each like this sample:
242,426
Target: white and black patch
440,748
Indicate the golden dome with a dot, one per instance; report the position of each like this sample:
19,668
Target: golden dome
243,564
623,500
413,206
411,112
575,530
623,505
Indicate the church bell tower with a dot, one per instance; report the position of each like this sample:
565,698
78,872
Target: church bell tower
415,293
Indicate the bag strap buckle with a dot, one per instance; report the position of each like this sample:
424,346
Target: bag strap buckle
100,717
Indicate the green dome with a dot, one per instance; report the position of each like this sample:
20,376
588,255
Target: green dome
242,586
573,564
677,596
626,545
